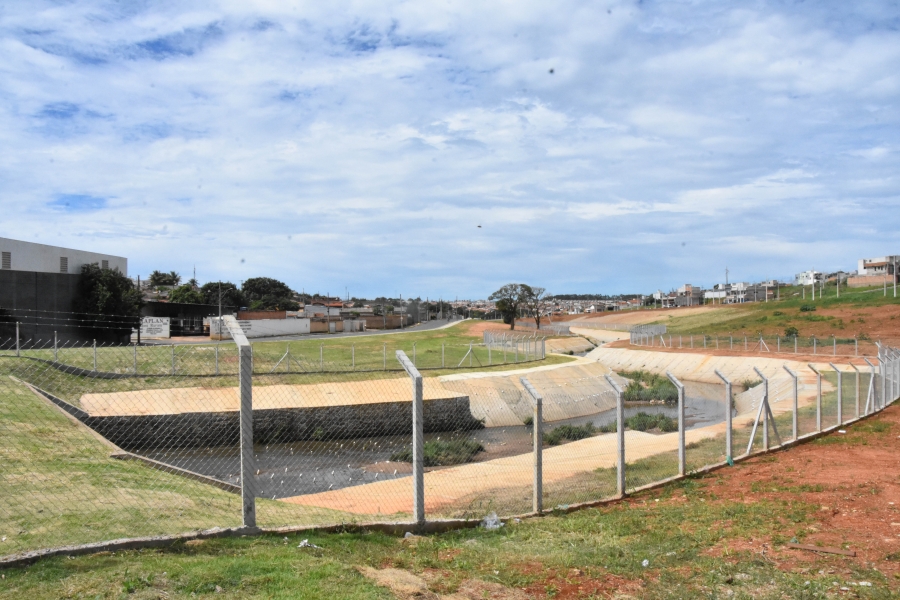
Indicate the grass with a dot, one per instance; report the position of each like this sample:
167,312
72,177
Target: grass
59,486
674,529
569,432
791,311
435,352
438,453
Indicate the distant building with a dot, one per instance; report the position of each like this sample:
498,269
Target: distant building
807,278
38,287
883,265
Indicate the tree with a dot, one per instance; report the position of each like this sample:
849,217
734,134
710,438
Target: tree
231,295
108,302
509,299
536,302
265,293
186,294
158,278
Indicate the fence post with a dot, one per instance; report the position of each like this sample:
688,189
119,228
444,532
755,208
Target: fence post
871,393
620,436
834,345
418,435
728,410
321,357
537,423
517,350
840,393
883,369
95,355
245,384
414,353
442,355
682,461
854,367
765,402
794,421
134,357
217,356
353,356
795,344
745,343
384,357
818,397
173,359
856,346
778,344
815,343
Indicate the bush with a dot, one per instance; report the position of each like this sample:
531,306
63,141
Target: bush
807,308
644,422
646,386
569,432
438,453
749,383
791,332
777,313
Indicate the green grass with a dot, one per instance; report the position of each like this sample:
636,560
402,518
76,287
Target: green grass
674,529
774,317
437,453
59,486
568,432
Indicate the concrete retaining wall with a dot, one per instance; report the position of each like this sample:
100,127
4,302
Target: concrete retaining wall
192,430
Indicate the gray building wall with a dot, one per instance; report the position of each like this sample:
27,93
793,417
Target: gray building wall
16,255
40,302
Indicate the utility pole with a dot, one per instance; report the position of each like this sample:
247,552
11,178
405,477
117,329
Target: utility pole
894,273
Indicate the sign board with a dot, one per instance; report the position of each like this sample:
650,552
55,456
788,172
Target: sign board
155,327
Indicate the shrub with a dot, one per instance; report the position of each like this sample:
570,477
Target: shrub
569,432
791,332
862,336
437,453
749,383
777,313
645,386
807,308
643,422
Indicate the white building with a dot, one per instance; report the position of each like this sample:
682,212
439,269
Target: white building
807,278
16,255
883,265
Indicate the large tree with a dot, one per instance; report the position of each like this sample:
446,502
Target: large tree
536,303
231,295
185,294
158,278
509,299
265,293
108,302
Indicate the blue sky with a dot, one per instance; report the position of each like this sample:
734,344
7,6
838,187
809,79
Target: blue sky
601,146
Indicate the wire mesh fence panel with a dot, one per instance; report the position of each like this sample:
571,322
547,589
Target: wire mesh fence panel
333,447
705,420
77,445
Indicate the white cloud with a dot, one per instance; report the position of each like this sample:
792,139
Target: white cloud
376,137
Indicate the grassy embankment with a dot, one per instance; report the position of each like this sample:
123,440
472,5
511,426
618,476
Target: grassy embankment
863,313
696,538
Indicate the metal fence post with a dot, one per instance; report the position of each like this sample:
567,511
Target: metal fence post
795,344
778,344
352,356
537,422
134,357
442,356
414,352
856,346
418,436
834,345
17,338
95,355
794,421
321,357
517,350
217,357
245,385
173,359
815,343
55,348
620,436
728,410
818,397
840,393
682,460
857,388
384,357
490,359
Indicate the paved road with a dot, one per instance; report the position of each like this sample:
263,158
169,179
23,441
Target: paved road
429,325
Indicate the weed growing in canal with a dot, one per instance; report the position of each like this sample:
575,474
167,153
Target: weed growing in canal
437,453
646,387
644,422
569,432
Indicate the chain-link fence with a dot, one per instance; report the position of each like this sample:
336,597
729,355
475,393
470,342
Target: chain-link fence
108,442
769,344
564,328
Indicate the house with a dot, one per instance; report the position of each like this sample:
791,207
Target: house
807,278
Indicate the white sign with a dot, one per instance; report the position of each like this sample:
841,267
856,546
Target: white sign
155,327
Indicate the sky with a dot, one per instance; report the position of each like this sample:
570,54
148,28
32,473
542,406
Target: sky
446,148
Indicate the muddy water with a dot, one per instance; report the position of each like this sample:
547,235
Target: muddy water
309,467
